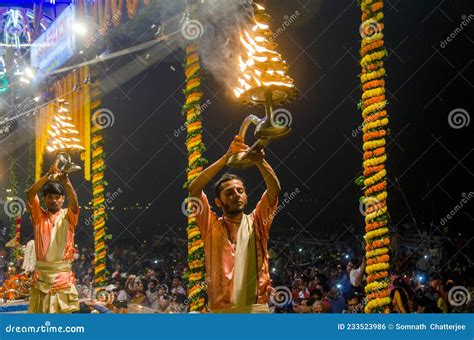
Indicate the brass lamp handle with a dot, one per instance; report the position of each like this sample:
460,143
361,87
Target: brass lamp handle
240,159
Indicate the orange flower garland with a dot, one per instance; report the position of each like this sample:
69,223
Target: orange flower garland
99,215
374,180
195,146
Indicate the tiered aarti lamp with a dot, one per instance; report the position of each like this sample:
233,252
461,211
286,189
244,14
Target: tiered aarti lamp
263,81
64,140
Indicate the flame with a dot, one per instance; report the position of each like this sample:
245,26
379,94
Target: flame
277,83
259,64
63,132
259,25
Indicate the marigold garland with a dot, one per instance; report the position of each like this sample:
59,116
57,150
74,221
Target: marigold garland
195,146
378,276
98,211
378,259
376,252
373,106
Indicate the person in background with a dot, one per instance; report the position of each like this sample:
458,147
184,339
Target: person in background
356,275
152,294
442,295
402,297
318,295
336,300
353,304
177,288
319,307
122,294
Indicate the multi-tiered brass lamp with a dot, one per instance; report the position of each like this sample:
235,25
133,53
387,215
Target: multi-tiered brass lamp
64,140
264,82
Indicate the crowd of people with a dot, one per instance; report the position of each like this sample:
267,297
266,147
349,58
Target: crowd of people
148,276
307,277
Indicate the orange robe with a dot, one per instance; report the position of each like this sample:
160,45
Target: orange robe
220,259
53,288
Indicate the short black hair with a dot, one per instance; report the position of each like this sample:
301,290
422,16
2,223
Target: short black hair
316,293
223,179
353,295
53,188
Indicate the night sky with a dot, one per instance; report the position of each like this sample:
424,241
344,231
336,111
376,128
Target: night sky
430,161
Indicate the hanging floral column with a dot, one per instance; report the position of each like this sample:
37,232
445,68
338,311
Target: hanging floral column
195,147
99,215
374,179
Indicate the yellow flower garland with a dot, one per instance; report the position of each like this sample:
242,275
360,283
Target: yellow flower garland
375,286
376,233
99,215
375,124
373,105
195,147
375,303
373,92
376,252
375,161
370,217
370,40
376,267
375,178
371,109
374,144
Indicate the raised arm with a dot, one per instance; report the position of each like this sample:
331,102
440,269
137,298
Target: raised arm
70,192
36,187
361,274
199,183
269,176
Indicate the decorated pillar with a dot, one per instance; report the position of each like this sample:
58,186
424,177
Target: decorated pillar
195,147
374,180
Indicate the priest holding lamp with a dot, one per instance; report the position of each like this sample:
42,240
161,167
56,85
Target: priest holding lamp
53,287
235,245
